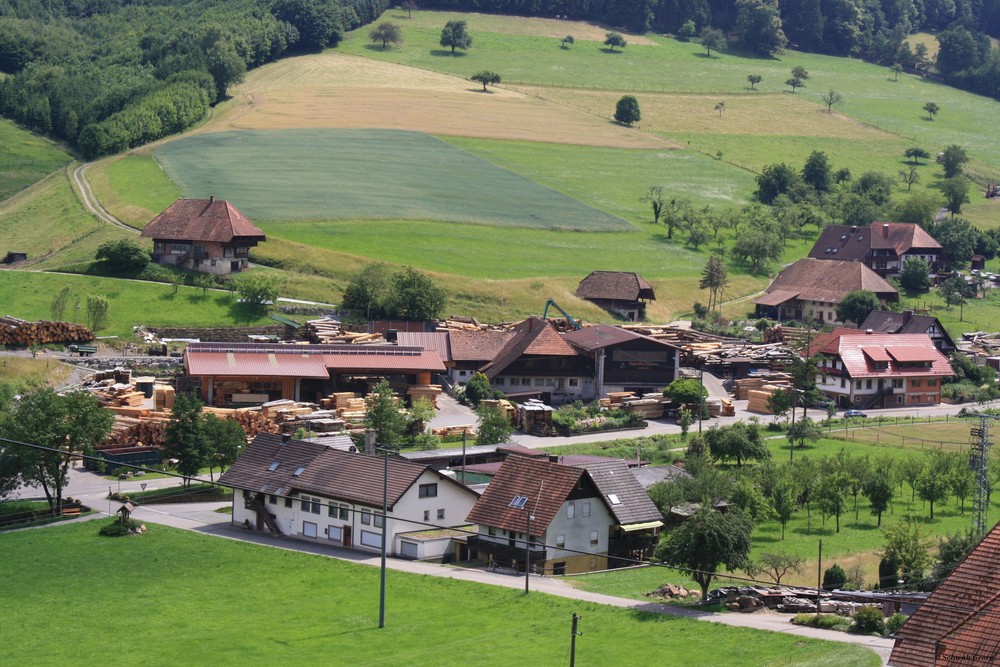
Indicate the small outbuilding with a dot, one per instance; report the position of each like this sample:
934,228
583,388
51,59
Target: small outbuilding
622,292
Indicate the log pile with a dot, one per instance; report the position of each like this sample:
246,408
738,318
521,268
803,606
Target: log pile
331,332
137,432
14,331
119,395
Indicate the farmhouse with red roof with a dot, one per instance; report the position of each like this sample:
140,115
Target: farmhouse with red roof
207,235
876,370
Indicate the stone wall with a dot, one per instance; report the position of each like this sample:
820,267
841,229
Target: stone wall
219,334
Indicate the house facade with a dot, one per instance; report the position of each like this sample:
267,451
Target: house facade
537,360
873,370
811,289
565,515
624,360
207,235
308,491
882,246
621,292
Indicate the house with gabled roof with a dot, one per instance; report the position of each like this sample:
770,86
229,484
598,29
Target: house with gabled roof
537,360
309,491
207,235
885,321
877,370
882,246
625,360
622,292
811,289
471,350
571,518
959,623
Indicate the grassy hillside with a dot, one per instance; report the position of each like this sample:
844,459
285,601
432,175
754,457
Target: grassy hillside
289,608
25,158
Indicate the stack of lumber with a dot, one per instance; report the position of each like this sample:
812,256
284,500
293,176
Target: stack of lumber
353,410
535,417
455,431
650,406
14,331
504,406
120,395
145,431
727,408
615,398
426,391
757,398
163,397
337,400
331,332
744,386
796,337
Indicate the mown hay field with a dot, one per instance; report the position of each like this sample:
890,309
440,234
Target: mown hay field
370,175
25,158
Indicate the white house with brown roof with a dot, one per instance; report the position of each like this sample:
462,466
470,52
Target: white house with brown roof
811,289
622,292
323,495
868,369
882,246
207,235
576,518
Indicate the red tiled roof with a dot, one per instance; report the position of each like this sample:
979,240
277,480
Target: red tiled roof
201,220
830,281
857,351
960,622
477,345
534,336
241,359
617,285
521,476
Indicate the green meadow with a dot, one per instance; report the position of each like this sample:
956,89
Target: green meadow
367,174
25,158
193,599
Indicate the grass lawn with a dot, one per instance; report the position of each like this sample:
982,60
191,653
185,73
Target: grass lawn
26,158
29,295
134,187
27,372
288,608
367,174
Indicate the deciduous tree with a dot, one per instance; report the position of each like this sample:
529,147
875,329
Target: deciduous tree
915,153
712,40
494,427
97,311
956,193
830,98
613,39
383,416
816,171
753,80
656,199
486,77
909,177
185,438
455,35
831,495
857,306
916,275
387,33
932,109
627,110
707,541
122,257
906,546
714,278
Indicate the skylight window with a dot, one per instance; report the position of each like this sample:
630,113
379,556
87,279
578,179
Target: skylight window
298,471
614,499
274,466
518,502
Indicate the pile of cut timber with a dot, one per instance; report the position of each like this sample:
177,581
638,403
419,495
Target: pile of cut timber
650,406
427,391
744,386
120,395
459,324
291,416
332,332
137,432
14,331
251,420
615,398
163,397
505,406
757,398
455,431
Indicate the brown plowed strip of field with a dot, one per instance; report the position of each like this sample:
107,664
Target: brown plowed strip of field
338,91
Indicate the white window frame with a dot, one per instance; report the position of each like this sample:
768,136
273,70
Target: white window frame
570,510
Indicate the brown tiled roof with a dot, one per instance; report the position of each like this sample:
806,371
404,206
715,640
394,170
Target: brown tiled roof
201,220
521,476
613,477
830,281
477,345
328,472
618,285
845,242
535,337
605,335
960,622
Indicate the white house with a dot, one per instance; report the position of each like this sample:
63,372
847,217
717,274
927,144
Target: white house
312,492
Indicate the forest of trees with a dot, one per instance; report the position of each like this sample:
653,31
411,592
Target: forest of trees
106,75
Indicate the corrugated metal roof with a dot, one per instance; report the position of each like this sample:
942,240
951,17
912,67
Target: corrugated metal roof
259,364
910,354
305,360
429,340
876,353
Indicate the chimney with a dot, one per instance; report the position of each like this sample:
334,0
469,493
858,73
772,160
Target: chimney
211,199
885,230
285,437
868,331
907,316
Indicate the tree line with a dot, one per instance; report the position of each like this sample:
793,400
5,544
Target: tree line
104,77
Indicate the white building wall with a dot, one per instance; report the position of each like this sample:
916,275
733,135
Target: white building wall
577,530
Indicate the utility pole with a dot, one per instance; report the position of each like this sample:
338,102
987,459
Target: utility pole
819,575
572,640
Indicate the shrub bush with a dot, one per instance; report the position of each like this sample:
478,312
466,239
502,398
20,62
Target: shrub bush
834,577
894,623
118,528
825,621
869,620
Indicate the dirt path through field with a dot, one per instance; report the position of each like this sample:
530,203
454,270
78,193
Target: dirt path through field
342,91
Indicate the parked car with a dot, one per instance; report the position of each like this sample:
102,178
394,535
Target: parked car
854,413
